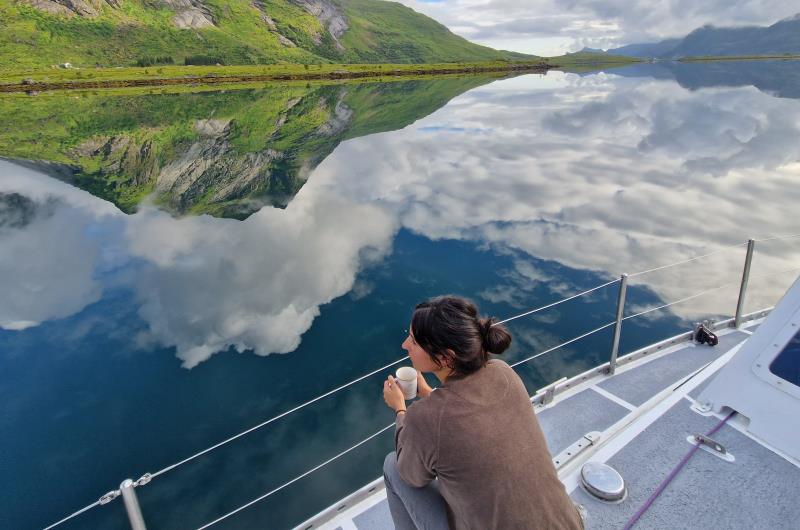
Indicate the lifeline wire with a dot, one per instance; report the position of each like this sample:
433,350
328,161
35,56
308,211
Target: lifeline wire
729,284
579,337
548,306
65,519
681,300
240,508
251,429
777,237
723,249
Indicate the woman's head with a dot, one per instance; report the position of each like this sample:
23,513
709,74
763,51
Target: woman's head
449,331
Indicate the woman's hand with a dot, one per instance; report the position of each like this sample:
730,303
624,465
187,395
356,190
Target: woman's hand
393,394
423,388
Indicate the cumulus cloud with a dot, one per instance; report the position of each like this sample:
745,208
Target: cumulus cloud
47,262
203,284
550,27
606,174
257,284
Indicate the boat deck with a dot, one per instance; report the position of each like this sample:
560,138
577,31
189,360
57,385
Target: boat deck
640,418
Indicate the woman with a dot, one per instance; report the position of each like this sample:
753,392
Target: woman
471,454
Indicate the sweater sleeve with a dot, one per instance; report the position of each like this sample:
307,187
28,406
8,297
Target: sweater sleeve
416,449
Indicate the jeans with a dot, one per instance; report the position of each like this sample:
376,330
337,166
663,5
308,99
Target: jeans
413,508
422,508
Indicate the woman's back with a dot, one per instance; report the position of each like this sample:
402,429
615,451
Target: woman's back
479,436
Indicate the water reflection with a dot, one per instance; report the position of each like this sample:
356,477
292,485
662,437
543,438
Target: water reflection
779,78
600,174
516,193
604,173
202,284
50,247
224,153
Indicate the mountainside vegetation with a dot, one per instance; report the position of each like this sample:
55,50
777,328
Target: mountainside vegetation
88,33
781,38
225,153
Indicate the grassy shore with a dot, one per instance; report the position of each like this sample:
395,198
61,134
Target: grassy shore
82,78
166,75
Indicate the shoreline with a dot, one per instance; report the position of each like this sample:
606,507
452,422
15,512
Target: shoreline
212,77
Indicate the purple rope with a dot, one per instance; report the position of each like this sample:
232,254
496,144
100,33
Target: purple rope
661,487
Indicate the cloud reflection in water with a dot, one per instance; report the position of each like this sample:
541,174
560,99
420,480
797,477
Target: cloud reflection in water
605,173
600,173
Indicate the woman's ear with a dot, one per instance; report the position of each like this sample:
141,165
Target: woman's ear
450,361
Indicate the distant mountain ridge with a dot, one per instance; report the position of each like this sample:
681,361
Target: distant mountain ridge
782,37
85,33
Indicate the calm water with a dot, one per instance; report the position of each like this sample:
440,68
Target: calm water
176,268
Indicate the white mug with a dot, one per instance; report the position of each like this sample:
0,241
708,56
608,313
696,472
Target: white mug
406,378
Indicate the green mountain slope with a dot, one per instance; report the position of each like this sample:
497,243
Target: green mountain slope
225,153
41,33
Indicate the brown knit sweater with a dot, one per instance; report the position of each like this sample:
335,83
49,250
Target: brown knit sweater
479,436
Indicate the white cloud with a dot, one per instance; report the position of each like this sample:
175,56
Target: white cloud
203,284
616,175
47,263
526,26
256,284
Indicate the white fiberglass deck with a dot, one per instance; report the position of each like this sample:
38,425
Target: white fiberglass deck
644,414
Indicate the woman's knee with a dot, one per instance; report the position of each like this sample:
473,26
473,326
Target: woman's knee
390,464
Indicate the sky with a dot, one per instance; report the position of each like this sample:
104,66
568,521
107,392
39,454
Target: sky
555,27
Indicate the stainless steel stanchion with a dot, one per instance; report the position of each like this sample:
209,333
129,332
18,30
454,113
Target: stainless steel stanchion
132,505
737,320
623,287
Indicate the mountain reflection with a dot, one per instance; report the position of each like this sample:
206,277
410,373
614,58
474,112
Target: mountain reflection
601,173
224,153
779,78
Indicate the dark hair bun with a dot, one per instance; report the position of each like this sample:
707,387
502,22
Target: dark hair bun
450,332
496,338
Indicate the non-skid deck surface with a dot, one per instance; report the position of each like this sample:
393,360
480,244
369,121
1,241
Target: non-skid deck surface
758,490
643,382
569,420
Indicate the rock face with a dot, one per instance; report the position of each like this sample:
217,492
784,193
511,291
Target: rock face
265,18
286,42
81,8
134,164
190,13
210,174
329,15
337,123
210,170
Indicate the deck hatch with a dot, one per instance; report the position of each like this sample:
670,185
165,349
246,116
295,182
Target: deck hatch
787,364
603,481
